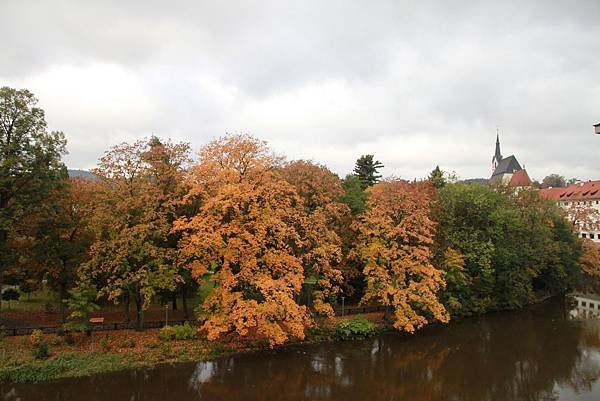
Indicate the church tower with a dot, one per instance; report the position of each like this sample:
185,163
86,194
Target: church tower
497,155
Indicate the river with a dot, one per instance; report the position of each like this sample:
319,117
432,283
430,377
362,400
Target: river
547,352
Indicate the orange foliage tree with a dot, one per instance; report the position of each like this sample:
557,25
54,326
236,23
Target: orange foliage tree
589,262
246,238
395,236
327,219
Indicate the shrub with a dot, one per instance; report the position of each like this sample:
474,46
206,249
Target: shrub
166,333
177,332
357,328
41,351
60,331
36,337
184,331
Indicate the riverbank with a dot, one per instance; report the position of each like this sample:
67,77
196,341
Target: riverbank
105,352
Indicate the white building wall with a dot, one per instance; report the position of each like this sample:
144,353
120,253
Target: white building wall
592,232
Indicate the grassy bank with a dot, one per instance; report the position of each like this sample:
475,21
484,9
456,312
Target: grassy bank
76,356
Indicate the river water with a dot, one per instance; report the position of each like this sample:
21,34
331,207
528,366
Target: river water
548,352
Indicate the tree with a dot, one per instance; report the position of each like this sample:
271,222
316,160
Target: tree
247,238
395,238
30,164
327,222
58,239
10,294
367,170
554,180
132,222
81,305
354,195
437,178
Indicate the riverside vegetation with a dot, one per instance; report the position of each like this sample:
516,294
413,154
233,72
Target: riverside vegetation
272,245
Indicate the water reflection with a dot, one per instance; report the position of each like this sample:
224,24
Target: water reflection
551,352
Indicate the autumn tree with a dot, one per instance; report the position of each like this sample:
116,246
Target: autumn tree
395,238
367,170
247,238
327,223
30,164
589,262
132,254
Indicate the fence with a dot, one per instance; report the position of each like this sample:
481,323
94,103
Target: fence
24,331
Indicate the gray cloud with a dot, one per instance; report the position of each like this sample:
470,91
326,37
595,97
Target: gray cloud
417,84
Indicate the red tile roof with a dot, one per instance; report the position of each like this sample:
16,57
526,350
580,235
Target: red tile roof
583,191
520,179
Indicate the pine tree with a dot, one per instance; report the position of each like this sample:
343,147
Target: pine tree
366,169
437,178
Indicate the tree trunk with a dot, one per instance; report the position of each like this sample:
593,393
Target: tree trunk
174,300
62,295
186,314
139,310
126,303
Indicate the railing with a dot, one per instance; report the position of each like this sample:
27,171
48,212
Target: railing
355,310
24,331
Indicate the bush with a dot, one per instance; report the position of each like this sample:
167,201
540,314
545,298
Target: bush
166,333
41,351
60,331
36,337
177,332
357,328
184,332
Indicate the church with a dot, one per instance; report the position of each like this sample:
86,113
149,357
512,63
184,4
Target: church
507,170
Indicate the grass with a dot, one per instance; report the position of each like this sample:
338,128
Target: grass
100,353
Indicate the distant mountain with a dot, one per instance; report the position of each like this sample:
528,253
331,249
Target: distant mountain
81,174
483,181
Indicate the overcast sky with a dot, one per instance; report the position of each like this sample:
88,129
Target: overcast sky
416,83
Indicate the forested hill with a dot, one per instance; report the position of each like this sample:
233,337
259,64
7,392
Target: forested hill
80,173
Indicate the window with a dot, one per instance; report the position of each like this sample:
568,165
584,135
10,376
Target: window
591,236
583,235
583,303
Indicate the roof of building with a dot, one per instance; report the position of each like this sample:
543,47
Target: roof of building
581,191
520,179
597,125
507,165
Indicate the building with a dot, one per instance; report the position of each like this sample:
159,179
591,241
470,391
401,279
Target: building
582,204
597,128
507,170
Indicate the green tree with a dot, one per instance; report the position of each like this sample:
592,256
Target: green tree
30,164
437,178
554,180
366,169
81,305
354,195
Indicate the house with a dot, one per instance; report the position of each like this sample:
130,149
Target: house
581,201
507,170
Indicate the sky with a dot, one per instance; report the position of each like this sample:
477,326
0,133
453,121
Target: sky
416,83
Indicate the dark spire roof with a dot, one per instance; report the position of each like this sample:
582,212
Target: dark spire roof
507,166
498,155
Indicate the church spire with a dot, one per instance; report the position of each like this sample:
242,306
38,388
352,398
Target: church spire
497,155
